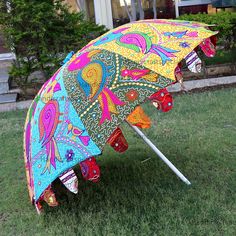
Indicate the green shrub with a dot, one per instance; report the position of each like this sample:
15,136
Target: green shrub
224,22
41,33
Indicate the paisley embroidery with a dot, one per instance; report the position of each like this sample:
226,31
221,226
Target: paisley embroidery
136,41
48,121
82,60
92,80
141,42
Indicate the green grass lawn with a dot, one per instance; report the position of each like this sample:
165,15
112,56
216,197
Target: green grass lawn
135,197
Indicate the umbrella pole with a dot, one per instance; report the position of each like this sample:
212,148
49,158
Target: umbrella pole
160,154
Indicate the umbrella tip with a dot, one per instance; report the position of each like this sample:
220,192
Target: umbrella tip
187,182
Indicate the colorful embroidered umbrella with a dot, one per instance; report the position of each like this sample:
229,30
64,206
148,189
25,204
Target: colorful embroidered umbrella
79,109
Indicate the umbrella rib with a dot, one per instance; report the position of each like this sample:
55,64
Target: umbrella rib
160,154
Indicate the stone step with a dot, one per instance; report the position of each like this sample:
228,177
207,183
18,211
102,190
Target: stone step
7,56
8,98
4,88
4,77
5,63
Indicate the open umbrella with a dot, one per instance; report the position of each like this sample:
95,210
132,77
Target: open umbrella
79,109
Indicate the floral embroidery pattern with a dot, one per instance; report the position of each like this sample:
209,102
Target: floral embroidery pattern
69,155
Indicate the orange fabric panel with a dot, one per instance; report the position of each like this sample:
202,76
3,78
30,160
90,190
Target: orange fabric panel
139,118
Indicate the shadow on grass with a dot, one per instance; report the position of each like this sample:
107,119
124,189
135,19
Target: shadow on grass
123,182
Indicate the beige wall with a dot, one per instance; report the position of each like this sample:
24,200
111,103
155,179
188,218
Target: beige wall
89,6
90,9
72,4
117,10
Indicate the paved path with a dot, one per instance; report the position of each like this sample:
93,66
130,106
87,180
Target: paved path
203,83
189,85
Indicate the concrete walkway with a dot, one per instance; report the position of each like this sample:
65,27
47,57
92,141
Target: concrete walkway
203,83
189,85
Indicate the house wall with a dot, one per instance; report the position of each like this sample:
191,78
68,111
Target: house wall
72,4
89,7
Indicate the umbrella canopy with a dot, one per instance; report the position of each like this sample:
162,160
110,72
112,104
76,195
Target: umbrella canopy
155,44
78,109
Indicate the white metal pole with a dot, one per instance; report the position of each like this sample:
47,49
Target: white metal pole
103,13
176,8
160,154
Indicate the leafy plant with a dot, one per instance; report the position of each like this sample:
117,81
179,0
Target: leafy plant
224,22
41,33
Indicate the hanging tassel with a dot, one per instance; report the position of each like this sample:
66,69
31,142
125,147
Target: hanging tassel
70,180
139,118
162,100
117,141
193,62
208,47
179,77
47,196
90,169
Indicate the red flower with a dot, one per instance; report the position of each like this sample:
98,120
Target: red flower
132,95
